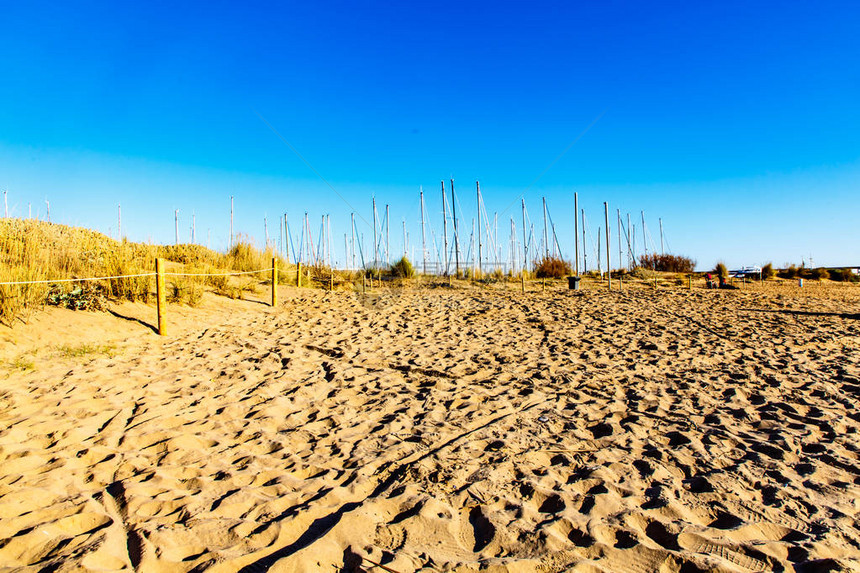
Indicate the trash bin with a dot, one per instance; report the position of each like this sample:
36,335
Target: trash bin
800,283
573,283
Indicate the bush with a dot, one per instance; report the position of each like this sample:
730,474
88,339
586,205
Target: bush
767,271
788,273
819,274
721,271
374,272
84,297
667,263
844,275
403,269
552,268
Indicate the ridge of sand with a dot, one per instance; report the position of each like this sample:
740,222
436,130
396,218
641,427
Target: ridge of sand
441,430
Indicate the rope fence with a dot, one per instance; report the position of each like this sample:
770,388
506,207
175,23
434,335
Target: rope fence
159,275
76,280
216,274
53,281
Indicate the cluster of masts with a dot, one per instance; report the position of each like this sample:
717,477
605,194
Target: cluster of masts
453,252
481,252
29,208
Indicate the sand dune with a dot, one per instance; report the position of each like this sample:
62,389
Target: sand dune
441,430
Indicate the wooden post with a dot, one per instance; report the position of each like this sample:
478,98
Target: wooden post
331,280
274,281
159,296
363,282
690,282
299,274
523,280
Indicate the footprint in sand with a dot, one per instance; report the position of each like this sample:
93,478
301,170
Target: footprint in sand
733,554
389,537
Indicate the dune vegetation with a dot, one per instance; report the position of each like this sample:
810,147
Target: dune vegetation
38,251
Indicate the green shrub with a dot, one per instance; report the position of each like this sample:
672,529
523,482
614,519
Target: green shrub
87,296
721,271
819,274
767,271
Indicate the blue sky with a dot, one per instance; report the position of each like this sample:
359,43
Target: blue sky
736,123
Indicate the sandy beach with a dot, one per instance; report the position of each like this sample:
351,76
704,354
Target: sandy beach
438,429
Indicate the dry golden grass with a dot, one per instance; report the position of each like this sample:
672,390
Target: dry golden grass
38,251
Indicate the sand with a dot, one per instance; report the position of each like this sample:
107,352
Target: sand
438,430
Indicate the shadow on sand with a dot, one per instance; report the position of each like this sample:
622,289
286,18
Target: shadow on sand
846,315
133,319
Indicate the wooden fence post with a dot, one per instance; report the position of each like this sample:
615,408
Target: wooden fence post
299,274
523,281
159,296
274,281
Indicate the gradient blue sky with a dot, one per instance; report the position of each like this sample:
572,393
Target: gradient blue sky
738,123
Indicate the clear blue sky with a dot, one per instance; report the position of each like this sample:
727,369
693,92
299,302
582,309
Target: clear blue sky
738,123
